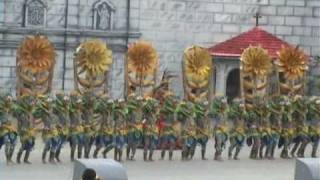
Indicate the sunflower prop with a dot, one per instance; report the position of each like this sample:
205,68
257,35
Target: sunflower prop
35,64
255,68
197,74
292,66
92,62
141,68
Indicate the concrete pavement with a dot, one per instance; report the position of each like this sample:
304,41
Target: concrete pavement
244,169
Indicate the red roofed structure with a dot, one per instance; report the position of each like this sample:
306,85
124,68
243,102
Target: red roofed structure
256,36
227,58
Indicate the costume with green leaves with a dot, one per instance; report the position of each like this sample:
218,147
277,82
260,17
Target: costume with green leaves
237,135
264,128
301,138
134,115
313,116
22,111
204,130
76,131
219,109
170,131
88,121
50,136
150,131
120,128
256,118
287,128
104,139
186,116
275,109
8,132
60,110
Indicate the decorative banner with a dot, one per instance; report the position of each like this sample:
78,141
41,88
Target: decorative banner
197,74
92,62
254,70
140,69
35,64
292,67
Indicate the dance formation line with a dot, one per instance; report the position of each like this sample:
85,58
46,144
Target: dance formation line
287,123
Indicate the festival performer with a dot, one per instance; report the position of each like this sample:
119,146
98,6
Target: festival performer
120,129
264,129
170,131
105,136
275,108
50,136
287,129
76,130
87,117
60,109
22,111
204,129
219,109
185,115
301,138
134,124
313,116
236,113
254,127
8,132
150,131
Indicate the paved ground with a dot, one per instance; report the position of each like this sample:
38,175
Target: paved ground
245,169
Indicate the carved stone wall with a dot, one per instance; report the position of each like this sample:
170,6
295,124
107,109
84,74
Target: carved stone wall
172,25
19,18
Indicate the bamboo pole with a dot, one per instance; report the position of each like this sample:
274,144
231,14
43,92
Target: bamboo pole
126,80
184,80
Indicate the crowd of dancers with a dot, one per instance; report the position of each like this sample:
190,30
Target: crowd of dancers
95,125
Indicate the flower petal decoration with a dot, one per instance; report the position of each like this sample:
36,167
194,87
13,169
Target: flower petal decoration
93,57
142,58
36,53
198,64
256,61
292,62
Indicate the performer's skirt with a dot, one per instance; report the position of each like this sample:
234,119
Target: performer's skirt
28,144
104,140
134,137
120,141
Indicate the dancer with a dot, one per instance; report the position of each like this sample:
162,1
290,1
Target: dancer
105,136
22,112
8,131
76,130
134,124
237,136
60,109
151,131
219,111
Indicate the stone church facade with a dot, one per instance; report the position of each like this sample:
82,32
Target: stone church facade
172,25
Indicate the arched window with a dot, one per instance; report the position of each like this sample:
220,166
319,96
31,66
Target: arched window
35,12
103,12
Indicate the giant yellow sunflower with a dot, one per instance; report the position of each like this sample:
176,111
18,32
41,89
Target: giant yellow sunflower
198,63
36,53
292,62
256,61
93,57
142,58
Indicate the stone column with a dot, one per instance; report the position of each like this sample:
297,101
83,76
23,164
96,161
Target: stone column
220,80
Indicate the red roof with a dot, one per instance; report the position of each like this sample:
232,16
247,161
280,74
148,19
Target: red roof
256,36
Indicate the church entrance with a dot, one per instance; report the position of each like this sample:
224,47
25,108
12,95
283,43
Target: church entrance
233,84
